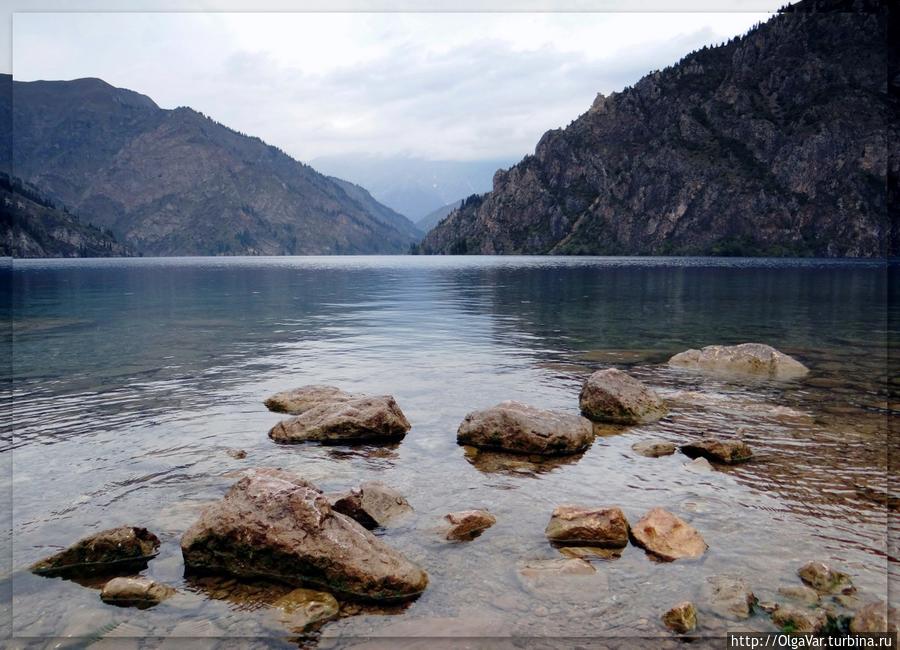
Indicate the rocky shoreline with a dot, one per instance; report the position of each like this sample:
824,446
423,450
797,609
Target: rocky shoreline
277,526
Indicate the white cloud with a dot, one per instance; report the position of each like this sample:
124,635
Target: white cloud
435,85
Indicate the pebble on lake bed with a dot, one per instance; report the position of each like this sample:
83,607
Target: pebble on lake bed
581,526
682,618
116,549
667,537
720,451
729,597
611,395
467,524
138,592
654,448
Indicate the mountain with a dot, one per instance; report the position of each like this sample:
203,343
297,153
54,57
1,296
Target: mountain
175,182
434,217
33,226
378,210
412,186
771,144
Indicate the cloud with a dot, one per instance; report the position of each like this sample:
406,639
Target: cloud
437,86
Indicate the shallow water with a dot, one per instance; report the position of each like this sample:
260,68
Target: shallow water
133,379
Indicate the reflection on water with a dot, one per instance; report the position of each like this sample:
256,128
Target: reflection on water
133,379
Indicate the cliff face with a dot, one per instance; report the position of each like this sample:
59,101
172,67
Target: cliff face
32,226
174,182
772,144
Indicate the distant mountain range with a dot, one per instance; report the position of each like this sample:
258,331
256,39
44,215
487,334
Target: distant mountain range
175,182
775,143
412,186
434,217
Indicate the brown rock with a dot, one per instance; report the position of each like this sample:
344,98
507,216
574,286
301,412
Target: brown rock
138,592
667,537
237,454
654,448
578,525
355,418
611,395
824,579
272,524
523,429
591,552
874,618
302,399
301,609
794,619
800,594
117,549
729,597
373,504
749,359
682,618
720,451
468,524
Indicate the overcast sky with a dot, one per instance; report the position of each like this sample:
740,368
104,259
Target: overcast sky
437,86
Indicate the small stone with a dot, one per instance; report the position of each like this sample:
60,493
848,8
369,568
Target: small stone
667,537
729,597
468,524
698,466
768,606
237,454
611,395
800,594
116,549
654,448
570,524
824,579
874,618
720,451
303,608
796,620
373,505
137,592
682,618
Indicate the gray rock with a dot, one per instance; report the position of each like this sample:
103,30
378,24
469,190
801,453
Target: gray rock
746,359
139,592
373,504
352,419
519,428
611,395
729,597
116,549
800,594
274,525
654,448
299,400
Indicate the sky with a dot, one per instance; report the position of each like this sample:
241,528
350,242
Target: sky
439,86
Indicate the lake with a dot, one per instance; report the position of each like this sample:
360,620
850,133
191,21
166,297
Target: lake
133,378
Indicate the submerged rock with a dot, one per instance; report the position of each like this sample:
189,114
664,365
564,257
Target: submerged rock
541,569
874,618
373,504
800,594
720,451
352,419
751,359
667,537
578,525
682,618
519,428
654,448
729,597
301,609
302,399
824,579
698,466
116,549
467,524
800,620
237,454
611,395
137,592
274,525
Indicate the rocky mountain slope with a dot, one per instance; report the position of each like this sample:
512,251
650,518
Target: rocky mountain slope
174,182
771,144
33,226
434,217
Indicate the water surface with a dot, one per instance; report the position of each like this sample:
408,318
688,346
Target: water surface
133,378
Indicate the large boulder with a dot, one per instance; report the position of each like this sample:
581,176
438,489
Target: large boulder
272,524
746,359
523,429
720,451
356,418
373,504
137,592
611,395
588,526
117,549
824,579
466,525
299,400
667,537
